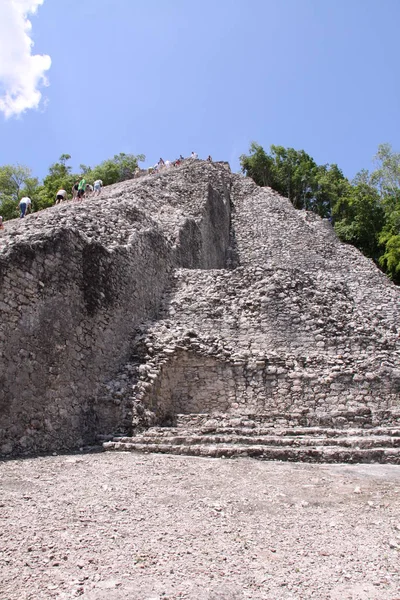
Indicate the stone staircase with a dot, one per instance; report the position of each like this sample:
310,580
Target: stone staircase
273,437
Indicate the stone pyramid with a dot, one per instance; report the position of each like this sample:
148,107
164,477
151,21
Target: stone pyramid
194,312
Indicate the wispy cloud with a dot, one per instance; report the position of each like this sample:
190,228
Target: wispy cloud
21,72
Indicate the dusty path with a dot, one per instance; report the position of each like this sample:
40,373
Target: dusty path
147,527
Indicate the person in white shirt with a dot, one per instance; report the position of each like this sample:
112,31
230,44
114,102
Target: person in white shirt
61,196
194,155
98,184
24,206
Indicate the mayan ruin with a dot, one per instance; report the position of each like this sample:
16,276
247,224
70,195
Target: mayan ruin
192,312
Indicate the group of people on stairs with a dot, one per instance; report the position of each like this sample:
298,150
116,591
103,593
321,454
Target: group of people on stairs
81,189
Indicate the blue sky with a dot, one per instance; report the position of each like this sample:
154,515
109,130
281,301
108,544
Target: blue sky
164,78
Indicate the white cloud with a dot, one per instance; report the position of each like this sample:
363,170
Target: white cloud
21,72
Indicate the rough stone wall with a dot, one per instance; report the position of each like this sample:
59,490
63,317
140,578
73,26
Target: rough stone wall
76,281
67,312
260,341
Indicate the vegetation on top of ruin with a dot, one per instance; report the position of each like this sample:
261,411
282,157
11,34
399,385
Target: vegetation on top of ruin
365,212
17,181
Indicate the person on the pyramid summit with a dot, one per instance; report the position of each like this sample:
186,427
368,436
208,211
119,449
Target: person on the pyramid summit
194,155
209,159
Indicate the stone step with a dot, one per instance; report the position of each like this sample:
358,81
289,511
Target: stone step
362,417
323,454
273,431
268,440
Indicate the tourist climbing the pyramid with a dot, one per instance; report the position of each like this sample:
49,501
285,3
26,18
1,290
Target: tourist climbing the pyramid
24,206
81,188
98,184
75,189
194,155
61,196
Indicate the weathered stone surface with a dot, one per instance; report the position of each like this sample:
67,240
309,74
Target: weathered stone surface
192,291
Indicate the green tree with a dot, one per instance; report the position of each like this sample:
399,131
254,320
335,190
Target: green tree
8,208
386,180
259,166
389,237
59,177
290,172
119,168
359,218
390,259
296,175
330,186
12,179
386,176
15,180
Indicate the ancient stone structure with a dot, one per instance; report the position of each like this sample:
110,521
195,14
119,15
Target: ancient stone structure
202,307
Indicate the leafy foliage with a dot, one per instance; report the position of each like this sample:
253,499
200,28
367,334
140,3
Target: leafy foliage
59,177
360,218
15,182
113,170
295,174
386,177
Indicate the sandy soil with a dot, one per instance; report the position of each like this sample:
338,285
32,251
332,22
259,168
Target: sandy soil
153,527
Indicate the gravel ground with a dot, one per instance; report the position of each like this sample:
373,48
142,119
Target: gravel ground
153,527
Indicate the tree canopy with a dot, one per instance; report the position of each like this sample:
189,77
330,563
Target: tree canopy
295,175
119,168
